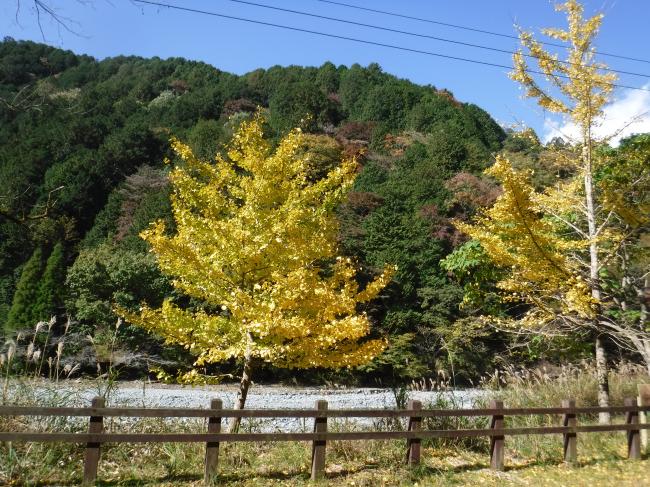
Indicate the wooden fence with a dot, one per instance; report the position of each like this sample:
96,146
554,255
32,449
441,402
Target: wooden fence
212,438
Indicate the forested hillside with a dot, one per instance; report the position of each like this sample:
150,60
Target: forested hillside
82,145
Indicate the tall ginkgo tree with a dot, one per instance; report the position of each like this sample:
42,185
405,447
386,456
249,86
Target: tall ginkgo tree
256,241
555,246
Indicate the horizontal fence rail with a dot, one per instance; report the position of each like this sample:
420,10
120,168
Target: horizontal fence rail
331,436
304,413
633,410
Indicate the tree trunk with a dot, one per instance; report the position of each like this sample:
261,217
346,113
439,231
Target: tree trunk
601,354
603,382
643,319
244,384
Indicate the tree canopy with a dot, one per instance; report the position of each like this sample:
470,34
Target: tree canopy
255,240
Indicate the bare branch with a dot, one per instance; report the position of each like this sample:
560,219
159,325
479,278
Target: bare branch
45,9
26,219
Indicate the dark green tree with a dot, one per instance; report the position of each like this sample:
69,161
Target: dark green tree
49,298
21,314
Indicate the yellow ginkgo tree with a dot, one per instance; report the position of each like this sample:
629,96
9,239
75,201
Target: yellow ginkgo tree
555,246
256,241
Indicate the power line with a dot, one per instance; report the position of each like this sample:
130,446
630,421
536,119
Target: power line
464,27
415,34
361,41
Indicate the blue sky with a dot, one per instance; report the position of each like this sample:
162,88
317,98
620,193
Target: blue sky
116,27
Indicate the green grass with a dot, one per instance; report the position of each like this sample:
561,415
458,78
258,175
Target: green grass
371,463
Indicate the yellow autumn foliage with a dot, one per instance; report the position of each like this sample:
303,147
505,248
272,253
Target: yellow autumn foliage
255,240
521,234
582,88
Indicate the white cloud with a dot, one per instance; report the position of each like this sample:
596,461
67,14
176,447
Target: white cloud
630,114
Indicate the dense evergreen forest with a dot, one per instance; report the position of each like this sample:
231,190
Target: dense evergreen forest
82,173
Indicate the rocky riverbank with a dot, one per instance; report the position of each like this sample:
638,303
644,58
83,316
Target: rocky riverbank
154,395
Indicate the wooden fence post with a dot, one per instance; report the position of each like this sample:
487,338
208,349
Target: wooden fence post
212,447
413,444
644,400
319,446
91,457
497,442
633,436
570,439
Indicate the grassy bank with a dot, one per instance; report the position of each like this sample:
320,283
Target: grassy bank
534,460
360,464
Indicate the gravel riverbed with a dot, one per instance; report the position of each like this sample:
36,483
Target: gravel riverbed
139,394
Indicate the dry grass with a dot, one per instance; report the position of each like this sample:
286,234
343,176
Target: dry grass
548,387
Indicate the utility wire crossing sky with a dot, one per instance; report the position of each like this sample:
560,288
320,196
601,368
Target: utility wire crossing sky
463,27
353,39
